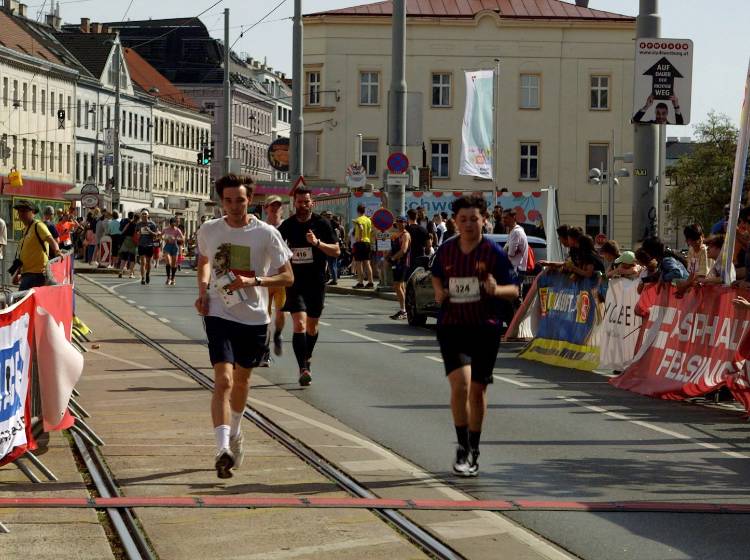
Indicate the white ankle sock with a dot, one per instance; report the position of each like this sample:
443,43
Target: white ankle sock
222,437
236,419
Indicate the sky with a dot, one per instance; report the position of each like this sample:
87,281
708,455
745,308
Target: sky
722,50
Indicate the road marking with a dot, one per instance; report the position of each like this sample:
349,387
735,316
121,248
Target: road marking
653,427
152,372
465,528
151,313
435,359
364,337
512,381
324,323
130,301
142,307
163,320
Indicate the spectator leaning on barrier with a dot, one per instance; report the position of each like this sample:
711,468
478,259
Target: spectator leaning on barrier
626,266
609,252
698,262
671,268
587,263
716,273
32,255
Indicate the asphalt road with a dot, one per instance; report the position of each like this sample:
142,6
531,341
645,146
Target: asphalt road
550,433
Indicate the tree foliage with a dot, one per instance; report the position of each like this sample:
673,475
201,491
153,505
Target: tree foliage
702,180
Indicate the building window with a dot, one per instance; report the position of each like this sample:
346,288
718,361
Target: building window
33,155
23,153
51,157
529,162
52,103
5,92
43,154
78,167
598,157
59,159
369,88
78,113
25,96
592,225
16,101
440,160
93,117
43,99
86,115
69,110
33,99
530,91
370,157
313,88
109,117
67,159
441,89
600,92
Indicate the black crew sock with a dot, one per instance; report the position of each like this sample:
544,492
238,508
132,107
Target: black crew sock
299,343
462,435
474,438
169,272
311,340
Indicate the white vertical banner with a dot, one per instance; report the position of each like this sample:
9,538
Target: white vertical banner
738,180
620,326
477,133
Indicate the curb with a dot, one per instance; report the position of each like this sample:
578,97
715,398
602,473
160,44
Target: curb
97,270
361,292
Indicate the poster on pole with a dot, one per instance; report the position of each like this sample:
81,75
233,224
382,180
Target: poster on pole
476,132
663,78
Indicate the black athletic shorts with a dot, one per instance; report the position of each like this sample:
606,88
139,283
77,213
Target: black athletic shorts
145,251
400,272
477,346
309,297
362,251
235,343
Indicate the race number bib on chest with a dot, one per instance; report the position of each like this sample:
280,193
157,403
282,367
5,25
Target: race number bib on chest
302,255
464,289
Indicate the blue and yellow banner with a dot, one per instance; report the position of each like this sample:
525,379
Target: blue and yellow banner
568,316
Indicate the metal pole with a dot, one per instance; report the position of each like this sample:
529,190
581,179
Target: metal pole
611,184
397,108
601,200
661,184
116,155
227,98
296,145
648,24
495,122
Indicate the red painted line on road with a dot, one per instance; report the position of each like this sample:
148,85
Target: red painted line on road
370,503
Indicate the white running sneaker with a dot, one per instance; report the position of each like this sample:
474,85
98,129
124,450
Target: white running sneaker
224,463
236,447
461,464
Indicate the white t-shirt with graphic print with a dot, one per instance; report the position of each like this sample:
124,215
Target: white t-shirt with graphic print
256,249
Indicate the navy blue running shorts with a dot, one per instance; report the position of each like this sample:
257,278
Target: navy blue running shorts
235,343
309,297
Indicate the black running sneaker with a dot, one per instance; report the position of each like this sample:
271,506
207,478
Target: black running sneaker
461,464
305,377
277,349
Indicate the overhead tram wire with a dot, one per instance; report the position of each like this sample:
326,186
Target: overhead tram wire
261,20
128,10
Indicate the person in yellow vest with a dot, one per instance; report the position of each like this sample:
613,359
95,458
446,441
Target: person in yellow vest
362,248
34,249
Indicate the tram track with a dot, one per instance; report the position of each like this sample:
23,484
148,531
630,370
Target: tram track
124,521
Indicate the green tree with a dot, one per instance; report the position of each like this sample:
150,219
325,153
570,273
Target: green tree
702,180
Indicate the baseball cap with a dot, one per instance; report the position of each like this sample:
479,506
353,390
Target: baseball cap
401,219
272,199
627,257
24,205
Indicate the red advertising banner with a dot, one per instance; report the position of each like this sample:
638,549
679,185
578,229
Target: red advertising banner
689,346
61,269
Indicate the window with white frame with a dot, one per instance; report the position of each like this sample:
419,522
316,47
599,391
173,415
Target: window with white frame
370,157
313,88
441,89
440,152
600,92
529,161
530,93
369,88
598,157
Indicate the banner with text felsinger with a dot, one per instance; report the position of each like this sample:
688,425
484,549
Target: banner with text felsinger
690,346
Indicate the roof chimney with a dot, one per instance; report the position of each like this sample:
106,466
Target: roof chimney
85,25
96,27
582,3
22,10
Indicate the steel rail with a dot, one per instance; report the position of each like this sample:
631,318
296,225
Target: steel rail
407,527
123,521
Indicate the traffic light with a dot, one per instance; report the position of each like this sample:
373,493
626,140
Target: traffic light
207,156
199,158
61,119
